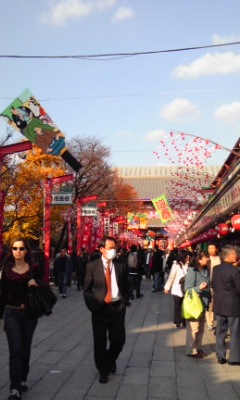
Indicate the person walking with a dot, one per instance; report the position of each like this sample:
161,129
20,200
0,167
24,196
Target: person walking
147,262
63,269
19,326
157,267
214,259
178,271
226,305
81,262
197,278
106,294
134,263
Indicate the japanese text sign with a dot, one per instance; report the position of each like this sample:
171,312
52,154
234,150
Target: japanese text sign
163,209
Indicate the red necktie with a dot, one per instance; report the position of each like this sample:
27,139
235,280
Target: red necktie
108,296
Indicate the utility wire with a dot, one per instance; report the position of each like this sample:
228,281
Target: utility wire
133,94
138,53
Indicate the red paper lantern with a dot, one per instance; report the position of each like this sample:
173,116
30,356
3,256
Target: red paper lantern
212,233
235,221
185,244
223,229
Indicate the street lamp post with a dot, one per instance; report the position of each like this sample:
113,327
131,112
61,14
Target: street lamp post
47,196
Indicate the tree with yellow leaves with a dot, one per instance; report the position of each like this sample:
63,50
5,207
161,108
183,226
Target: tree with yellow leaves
23,183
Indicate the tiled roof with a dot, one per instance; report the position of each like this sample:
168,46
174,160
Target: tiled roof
163,171
154,223
151,182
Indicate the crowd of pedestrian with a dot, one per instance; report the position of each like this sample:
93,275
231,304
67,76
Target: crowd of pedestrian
110,278
215,276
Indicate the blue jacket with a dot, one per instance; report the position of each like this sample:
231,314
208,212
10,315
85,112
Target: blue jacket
192,281
69,267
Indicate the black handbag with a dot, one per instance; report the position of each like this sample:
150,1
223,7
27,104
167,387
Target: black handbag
40,300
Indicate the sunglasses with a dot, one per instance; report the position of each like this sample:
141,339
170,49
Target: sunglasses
18,248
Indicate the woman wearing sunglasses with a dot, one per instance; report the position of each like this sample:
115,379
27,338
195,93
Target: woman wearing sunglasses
18,325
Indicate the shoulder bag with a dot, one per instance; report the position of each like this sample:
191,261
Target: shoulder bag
192,307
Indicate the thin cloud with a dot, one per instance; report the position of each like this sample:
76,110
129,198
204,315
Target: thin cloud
126,134
123,13
217,39
62,11
228,112
180,110
155,135
210,64
101,4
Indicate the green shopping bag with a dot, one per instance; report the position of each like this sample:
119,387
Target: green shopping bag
192,307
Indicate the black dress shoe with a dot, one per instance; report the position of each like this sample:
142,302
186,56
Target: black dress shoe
233,363
222,360
103,378
113,368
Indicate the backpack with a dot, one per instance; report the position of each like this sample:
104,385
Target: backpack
132,260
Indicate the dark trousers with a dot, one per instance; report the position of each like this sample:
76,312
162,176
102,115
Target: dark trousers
62,282
19,330
80,280
223,323
108,323
162,273
135,282
177,317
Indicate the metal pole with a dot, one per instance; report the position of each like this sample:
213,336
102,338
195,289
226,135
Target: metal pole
47,202
79,214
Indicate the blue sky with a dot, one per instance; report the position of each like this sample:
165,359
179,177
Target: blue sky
132,102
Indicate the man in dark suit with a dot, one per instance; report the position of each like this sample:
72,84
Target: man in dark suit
157,269
106,293
226,305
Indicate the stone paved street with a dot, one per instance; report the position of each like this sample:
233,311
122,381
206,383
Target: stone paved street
152,365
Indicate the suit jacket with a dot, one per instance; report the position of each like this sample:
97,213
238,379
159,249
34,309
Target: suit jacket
226,288
95,284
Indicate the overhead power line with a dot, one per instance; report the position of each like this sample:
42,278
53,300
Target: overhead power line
130,54
133,94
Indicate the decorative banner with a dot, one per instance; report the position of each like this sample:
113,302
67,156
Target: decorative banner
163,209
86,232
27,116
107,225
137,221
2,196
115,228
179,149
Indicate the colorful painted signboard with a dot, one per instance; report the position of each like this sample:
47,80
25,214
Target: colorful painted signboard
137,221
163,209
26,115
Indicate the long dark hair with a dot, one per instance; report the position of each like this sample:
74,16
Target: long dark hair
194,260
181,257
9,261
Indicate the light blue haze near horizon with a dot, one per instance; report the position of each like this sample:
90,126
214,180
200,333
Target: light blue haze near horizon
129,103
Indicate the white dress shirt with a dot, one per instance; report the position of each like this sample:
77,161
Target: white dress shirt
114,287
